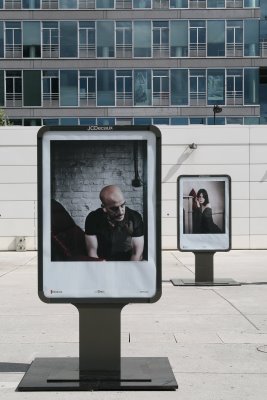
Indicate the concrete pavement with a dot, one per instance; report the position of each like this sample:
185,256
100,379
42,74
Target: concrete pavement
215,337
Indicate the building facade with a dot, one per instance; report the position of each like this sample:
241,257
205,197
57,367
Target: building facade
133,61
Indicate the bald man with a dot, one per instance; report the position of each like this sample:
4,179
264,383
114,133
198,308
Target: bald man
114,232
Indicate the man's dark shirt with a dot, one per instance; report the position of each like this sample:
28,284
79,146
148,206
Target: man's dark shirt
114,242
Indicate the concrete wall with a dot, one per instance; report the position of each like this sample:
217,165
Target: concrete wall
239,151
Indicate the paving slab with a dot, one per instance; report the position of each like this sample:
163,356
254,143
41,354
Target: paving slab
215,337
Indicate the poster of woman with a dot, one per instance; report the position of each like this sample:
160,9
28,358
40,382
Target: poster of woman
204,213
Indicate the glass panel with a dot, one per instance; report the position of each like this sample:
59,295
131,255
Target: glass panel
1,3
253,3
251,37
251,86
87,121
51,121
179,38
105,38
68,88
67,3
104,3
1,39
31,4
32,88
178,3
2,88
161,121
142,121
105,121
218,120
142,87
31,39
69,121
216,78
216,38
179,121
105,88
68,39
197,121
251,120
142,39
141,3
179,87
215,3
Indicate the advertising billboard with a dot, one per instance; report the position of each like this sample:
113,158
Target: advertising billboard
99,214
204,212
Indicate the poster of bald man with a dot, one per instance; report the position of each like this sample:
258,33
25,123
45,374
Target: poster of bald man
99,213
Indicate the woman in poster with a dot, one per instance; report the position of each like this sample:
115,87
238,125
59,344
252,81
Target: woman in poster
202,214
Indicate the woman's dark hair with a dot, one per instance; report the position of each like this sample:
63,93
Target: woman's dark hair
205,195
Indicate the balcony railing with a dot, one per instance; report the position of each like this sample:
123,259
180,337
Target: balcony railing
13,4
124,99
87,99
197,3
13,51
13,99
197,50
161,98
50,99
198,99
234,97
124,50
263,48
234,50
234,4
160,50
87,50
50,51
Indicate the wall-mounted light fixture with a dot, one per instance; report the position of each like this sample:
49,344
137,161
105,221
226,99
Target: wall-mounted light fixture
192,146
216,110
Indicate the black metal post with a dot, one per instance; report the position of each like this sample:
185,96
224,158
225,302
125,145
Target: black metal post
204,267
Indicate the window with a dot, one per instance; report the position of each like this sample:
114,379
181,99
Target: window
50,47
87,88
142,38
13,88
197,87
68,39
124,88
160,39
178,3
13,46
160,87
251,37
215,3
234,87
87,39
105,38
69,88
141,3
1,39
123,39
251,86
50,88
215,83
31,39
105,88
234,46
68,4
142,87
104,3
32,88
197,32
179,87
179,38
31,4
216,38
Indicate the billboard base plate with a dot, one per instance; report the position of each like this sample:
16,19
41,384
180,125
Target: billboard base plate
62,374
216,282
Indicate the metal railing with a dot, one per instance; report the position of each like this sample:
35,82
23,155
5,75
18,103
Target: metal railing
197,50
160,98
50,51
124,98
13,51
234,49
13,99
234,97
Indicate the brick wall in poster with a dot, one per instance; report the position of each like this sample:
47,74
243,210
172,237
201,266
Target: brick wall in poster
81,169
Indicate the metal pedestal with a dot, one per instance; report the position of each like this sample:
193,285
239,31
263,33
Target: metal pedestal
204,273
99,366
